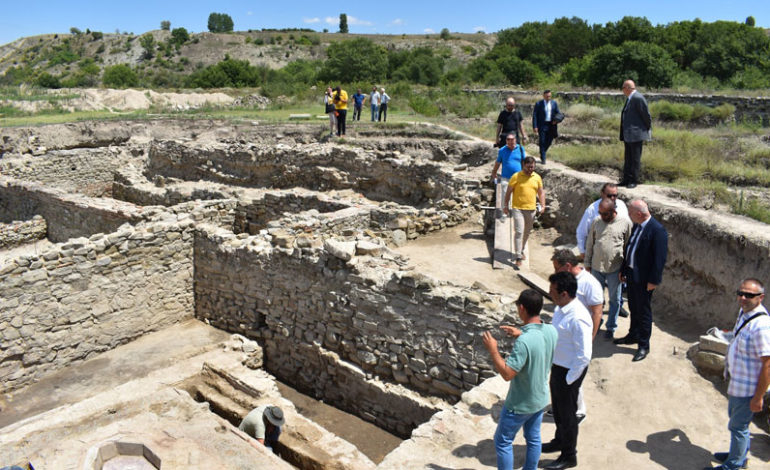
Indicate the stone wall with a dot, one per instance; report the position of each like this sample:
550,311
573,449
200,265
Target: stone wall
749,108
20,232
89,295
84,171
318,167
709,252
68,215
307,303
252,216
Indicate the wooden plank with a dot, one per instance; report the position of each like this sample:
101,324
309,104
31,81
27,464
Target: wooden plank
536,282
503,248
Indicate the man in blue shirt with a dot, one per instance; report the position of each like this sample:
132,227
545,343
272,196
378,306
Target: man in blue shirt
358,102
526,368
511,156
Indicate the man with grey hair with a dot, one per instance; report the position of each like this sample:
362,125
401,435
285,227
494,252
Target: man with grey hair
509,121
642,270
748,367
607,236
635,126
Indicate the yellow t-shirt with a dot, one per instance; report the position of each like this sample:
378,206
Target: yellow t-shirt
525,190
342,102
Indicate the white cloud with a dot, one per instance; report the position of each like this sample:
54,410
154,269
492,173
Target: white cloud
358,22
311,20
249,13
476,29
331,20
397,22
428,31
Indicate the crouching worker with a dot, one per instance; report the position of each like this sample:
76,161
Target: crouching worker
527,370
264,423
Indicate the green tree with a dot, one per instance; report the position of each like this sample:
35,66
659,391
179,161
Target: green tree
179,36
630,28
518,71
148,44
119,76
417,66
343,23
220,23
165,25
445,34
75,31
354,60
751,21
647,64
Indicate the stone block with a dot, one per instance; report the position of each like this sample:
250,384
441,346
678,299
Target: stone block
713,344
342,250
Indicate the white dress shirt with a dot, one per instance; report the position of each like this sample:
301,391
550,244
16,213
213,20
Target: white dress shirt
633,241
573,348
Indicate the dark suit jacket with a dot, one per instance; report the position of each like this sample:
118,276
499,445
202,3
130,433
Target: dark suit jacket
650,255
538,114
635,120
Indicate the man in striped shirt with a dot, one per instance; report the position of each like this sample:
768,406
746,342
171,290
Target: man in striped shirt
748,365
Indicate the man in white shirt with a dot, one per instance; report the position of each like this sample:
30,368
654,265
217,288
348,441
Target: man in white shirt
374,100
570,364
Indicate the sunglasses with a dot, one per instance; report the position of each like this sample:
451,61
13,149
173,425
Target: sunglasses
748,295
613,196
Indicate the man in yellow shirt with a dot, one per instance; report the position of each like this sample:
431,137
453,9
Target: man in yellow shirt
525,188
341,106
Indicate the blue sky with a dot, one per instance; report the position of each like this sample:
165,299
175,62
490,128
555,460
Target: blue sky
31,17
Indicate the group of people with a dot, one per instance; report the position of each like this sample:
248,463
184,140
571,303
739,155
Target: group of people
635,128
336,103
618,245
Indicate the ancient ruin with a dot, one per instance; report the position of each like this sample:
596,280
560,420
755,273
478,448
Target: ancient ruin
160,278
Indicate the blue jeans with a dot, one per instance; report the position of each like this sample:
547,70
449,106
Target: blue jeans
375,109
614,289
507,427
740,413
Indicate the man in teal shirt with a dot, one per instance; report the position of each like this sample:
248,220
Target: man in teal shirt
526,368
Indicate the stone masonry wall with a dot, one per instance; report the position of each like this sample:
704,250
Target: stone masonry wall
68,215
314,166
304,302
21,232
709,253
84,171
89,295
750,108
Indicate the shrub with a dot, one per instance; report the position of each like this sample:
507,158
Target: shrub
46,80
668,111
97,35
165,25
584,112
424,105
445,34
179,36
119,76
353,61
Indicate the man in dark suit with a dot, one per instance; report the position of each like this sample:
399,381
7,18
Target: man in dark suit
635,126
642,270
542,122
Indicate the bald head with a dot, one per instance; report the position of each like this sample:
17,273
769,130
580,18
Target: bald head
607,204
638,211
510,102
628,87
607,210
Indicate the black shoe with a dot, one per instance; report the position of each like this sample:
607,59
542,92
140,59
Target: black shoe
631,185
626,340
580,418
609,334
722,456
623,313
562,463
550,447
640,354
623,183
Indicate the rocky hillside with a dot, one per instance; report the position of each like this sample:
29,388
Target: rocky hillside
59,54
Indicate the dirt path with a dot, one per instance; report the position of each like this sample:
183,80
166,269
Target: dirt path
658,413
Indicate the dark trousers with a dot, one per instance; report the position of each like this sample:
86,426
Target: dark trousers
633,162
383,112
639,303
341,116
357,113
544,139
564,405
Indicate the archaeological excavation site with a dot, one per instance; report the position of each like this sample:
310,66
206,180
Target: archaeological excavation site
161,278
